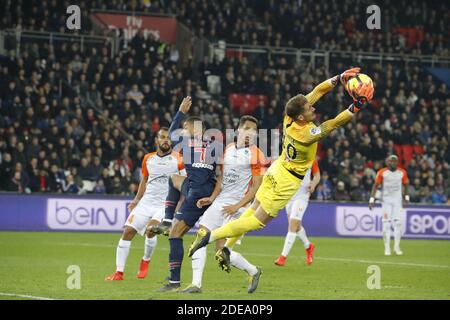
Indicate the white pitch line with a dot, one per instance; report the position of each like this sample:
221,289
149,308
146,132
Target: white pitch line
406,264
24,296
409,264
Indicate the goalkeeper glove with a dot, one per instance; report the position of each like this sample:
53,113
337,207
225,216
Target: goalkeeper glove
365,95
347,74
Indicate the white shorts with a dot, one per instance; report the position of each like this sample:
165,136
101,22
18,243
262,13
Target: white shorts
296,208
141,216
392,210
213,217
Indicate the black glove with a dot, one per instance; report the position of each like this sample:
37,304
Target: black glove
357,105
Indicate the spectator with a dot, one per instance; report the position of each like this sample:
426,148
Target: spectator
414,191
117,186
14,183
86,171
341,194
99,187
56,177
6,171
135,95
71,186
324,189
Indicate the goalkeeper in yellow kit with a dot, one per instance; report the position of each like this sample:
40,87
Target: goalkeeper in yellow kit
285,175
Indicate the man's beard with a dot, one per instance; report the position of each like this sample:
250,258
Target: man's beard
164,147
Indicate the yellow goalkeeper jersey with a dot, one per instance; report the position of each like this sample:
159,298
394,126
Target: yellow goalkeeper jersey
300,141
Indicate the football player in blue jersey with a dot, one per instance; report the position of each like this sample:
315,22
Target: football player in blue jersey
199,188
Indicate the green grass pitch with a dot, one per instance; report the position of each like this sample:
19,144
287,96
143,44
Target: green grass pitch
35,264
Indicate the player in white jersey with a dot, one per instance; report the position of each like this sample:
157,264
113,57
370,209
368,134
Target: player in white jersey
147,208
242,170
295,210
394,196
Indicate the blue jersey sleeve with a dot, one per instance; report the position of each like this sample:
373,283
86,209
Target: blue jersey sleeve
176,123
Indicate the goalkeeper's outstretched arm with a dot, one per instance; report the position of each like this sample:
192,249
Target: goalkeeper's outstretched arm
320,132
323,88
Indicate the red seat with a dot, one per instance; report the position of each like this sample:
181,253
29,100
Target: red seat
408,153
399,152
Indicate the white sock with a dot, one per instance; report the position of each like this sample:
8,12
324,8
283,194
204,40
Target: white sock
288,243
397,234
198,265
302,236
238,261
387,235
149,247
123,249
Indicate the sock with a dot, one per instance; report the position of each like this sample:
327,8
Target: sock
288,243
236,228
239,262
387,235
173,196
198,265
232,241
397,234
302,236
149,247
175,259
123,249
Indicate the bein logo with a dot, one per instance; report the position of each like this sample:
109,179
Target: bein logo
359,221
433,223
86,214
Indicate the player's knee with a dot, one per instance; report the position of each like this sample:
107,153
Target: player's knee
294,225
178,229
128,234
149,232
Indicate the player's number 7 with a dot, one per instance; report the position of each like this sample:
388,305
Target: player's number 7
203,152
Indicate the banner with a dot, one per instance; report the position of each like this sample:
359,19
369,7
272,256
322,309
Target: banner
164,28
109,213
86,214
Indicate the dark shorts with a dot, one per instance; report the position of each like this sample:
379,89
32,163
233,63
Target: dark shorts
189,212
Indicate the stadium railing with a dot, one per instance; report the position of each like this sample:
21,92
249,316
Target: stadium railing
260,54
14,39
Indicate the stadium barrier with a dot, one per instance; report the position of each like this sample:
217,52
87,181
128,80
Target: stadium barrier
258,56
108,214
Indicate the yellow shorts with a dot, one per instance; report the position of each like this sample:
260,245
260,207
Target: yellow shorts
277,188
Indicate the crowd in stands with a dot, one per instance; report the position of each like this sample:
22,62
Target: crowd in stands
414,26
77,121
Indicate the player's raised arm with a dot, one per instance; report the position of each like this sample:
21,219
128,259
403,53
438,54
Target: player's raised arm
179,117
323,88
314,134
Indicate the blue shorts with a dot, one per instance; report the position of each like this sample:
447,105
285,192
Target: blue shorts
189,212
